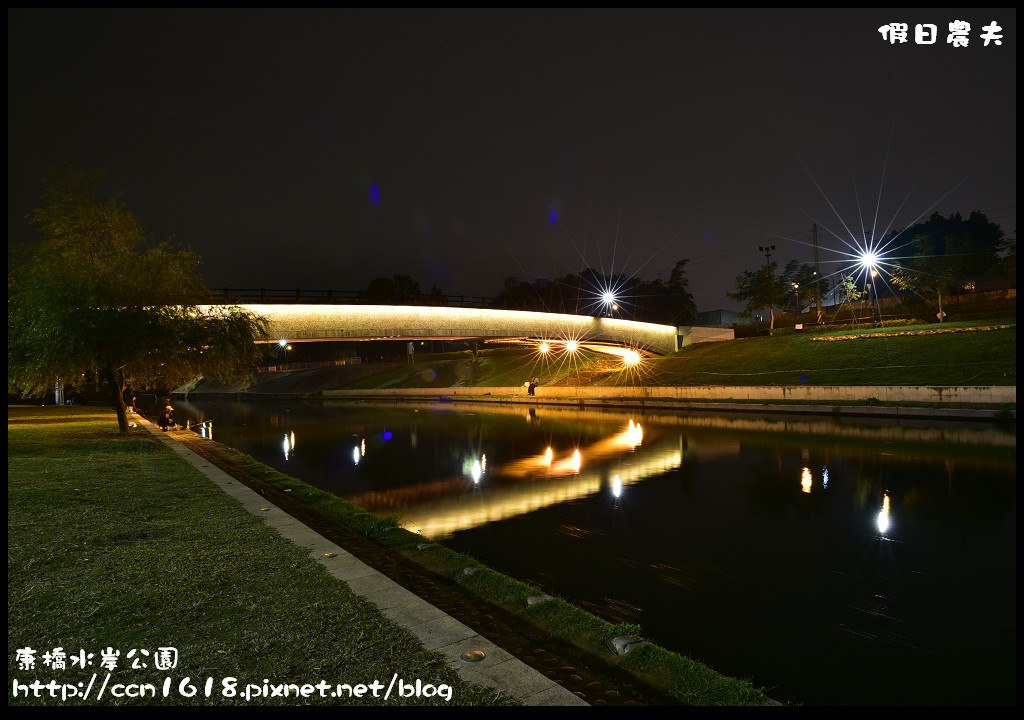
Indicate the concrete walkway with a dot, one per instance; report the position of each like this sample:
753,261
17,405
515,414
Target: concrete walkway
435,629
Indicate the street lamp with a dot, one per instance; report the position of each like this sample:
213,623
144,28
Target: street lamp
796,295
868,259
874,287
610,302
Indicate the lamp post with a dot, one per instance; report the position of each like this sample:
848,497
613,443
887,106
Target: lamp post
609,302
796,296
869,260
874,287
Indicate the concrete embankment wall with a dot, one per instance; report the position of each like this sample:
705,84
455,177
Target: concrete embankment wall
979,395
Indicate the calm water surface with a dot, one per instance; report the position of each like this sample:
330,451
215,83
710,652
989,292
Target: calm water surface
836,563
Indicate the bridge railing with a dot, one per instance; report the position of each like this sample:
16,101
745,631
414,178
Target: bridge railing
346,297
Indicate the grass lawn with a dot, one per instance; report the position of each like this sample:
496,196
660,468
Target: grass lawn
117,542
962,358
965,358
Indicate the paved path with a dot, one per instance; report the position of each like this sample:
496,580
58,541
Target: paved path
435,629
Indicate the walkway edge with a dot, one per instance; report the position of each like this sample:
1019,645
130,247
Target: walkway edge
435,629
611,401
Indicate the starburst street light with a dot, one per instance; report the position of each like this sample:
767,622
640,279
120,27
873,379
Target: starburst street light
868,259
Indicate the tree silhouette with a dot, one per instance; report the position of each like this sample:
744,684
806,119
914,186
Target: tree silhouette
94,296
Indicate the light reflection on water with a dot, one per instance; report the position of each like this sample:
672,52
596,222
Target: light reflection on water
832,562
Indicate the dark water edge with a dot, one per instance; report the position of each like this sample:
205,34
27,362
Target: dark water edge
720,536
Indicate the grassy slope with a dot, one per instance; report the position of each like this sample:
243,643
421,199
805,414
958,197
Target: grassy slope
118,542
964,358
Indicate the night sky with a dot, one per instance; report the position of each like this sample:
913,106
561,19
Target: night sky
322,148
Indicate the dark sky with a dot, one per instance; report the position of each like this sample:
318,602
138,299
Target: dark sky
322,148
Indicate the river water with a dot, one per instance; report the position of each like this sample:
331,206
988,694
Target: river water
866,562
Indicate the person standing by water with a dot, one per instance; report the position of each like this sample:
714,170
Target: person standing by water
532,387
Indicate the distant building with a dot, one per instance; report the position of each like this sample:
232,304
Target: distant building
719,318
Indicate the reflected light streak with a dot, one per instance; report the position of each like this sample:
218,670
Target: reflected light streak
805,480
286,447
629,439
567,466
291,439
824,478
617,486
441,518
476,471
883,517
355,455
483,463
634,434
362,447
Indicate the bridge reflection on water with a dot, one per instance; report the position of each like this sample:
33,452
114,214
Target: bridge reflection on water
873,561
440,508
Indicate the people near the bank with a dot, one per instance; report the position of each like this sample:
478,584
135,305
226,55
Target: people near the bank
532,386
166,418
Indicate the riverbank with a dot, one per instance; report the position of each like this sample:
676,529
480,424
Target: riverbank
970,373
577,640
977,403
115,542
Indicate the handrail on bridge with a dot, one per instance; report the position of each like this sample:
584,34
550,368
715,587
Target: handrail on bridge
346,297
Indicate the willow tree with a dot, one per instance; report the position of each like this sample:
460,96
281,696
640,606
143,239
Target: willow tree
95,296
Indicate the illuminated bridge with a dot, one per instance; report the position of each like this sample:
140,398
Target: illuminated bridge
325,322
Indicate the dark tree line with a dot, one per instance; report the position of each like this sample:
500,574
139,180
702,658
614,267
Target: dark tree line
948,255
628,297
932,259
581,293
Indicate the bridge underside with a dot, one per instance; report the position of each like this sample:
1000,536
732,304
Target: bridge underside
307,323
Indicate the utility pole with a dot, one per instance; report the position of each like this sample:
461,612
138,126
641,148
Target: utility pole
817,272
767,250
